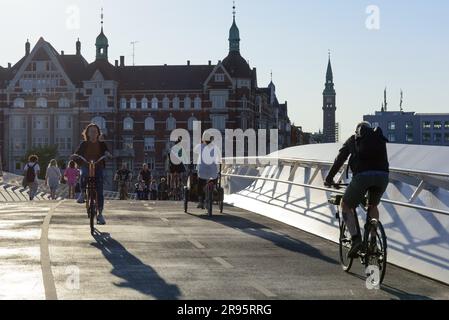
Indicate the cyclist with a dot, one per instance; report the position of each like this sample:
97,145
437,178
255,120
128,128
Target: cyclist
123,177
370,168
207,165
93,148
177,157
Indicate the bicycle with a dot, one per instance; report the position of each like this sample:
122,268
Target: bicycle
210,188
373,251
91,191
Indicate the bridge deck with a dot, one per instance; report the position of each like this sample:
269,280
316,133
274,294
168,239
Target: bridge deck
152,250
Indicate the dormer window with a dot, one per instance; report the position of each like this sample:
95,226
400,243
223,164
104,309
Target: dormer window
219,77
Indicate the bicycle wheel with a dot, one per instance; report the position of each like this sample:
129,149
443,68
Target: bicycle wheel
345,243
377,248
221,198
186,199
92,216
209,200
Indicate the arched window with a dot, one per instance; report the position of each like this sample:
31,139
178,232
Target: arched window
128,124
197,103
166,103
101,122
149,124
144,103
244,103
176,103
123,103
187,103
19,103
154,103
133,103
171,123
41,103
63,103
190,123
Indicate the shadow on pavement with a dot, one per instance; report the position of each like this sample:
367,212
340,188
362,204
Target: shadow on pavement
134,272
259,230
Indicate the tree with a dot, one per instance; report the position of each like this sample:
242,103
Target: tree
45,154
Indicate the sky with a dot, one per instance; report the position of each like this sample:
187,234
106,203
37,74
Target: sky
400,44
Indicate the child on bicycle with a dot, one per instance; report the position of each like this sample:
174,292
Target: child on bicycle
93,148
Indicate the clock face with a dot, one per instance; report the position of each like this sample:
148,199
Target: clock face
329,100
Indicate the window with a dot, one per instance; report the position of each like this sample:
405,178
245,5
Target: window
149,124
19,143
171,123
409,125
41,103
219,99
144,103
409,137
19,103
219,77
128,143
391,125
149,144
128,124
391,137
375,124
101,122
166,103
244,103
63,122
107,91
122,103
446,137
437,137
154,103
150,162
426,137
187,103
64,103
190,123
133,103
426,125
197,103
437,125
176,103
446,124
219,122
40,141
40,122
63,143
18,122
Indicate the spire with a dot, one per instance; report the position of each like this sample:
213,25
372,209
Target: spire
102,43
329,74
234,34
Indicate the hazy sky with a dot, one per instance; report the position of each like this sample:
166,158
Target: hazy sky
410,50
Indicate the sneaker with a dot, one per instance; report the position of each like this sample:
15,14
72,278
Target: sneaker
355,247
100,220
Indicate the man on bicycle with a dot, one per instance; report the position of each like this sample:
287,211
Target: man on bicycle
123,178
207,165
92,149
370,168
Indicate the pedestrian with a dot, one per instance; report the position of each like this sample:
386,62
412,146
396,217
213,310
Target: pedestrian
123,177
72,175
31,173
153,190
145,177
53,178
163,189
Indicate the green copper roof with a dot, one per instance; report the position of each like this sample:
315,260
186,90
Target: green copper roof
234,37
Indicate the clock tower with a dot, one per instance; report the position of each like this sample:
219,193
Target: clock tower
329,107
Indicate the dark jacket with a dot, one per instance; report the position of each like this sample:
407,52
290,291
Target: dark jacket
82,152
356,166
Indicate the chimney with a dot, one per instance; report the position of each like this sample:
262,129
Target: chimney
27,48
62,52
78,47
9,65
122,61
210,62
116,63
188,62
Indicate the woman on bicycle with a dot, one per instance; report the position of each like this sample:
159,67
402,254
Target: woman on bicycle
93,148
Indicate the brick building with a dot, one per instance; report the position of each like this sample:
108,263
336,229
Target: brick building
48,97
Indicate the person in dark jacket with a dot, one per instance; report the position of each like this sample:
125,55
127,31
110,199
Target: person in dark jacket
370,169
93,148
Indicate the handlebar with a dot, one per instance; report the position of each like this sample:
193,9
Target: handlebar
86,161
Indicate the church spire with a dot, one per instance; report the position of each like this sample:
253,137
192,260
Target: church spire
329,74
102,43
234,34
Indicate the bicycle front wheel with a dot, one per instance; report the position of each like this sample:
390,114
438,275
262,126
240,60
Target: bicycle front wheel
92,216
345,244
377,248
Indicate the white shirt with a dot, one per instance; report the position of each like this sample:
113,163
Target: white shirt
208,161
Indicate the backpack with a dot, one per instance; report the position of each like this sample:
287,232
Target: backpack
30,174
370,149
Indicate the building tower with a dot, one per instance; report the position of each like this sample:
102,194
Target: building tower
234,35
329,106
102,43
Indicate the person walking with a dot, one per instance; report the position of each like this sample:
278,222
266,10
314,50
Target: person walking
72,175
123,177
31,173
53,178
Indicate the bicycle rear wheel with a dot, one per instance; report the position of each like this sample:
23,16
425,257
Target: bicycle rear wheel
345,244
377,248
220,198
209,200
186,199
